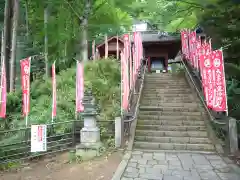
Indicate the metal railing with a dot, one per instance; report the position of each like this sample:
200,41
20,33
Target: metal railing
15,144
218,120
135,95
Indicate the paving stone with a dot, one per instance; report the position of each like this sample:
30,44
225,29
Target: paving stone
163,162
192,178
152,162
137,156
182,173
151,176
144,165
227,160
228,176
130,175
172,167
209,175
201,167
172,178
213,157
175,162
200,159
126,178
132,164
131,170
142,170
163,168
159,156
177,166
153,170
137,153
142,161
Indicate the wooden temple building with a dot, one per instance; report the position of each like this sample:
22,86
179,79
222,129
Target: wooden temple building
159,48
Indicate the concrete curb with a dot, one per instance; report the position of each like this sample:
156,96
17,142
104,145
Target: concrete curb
122,166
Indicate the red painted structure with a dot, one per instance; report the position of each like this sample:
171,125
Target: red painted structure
112,47
160,47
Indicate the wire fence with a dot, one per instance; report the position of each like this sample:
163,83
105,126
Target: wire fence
15,144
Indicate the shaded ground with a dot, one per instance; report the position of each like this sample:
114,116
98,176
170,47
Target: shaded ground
58,168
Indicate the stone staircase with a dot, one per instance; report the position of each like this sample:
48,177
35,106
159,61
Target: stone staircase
171,116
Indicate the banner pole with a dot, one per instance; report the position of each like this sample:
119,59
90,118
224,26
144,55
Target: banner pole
225,89
26,120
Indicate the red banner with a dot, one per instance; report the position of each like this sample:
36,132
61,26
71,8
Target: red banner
192,44
3,92
79,87
54,92
127,46
138,52
25,76
198,52
184,40
125,82
220,96
207,78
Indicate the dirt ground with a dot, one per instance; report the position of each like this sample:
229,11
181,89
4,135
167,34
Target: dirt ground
59,168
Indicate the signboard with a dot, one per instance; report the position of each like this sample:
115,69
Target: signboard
38,138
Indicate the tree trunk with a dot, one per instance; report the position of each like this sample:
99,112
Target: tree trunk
84,42
14,44
26,19
84,24
6,38
46,41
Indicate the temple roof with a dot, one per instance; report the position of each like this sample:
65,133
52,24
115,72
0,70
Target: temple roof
156,36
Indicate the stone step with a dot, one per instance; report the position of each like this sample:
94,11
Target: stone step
166,95
170,91
163,108
159,105
175,105
171,122
173,146
180,140
171,113
171,128
171,133
177,117
150,101
165,83
165,78
190,97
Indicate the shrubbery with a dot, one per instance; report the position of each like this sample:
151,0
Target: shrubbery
102,76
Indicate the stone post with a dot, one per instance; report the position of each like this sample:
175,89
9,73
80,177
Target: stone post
118,132
90,145
233,136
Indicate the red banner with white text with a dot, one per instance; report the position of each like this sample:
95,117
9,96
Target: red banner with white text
3,91
207,78
54,92
220,96
25,76
79,87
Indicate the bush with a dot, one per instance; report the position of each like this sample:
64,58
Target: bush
102,76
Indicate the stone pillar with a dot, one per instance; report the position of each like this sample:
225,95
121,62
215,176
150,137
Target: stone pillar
90,144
